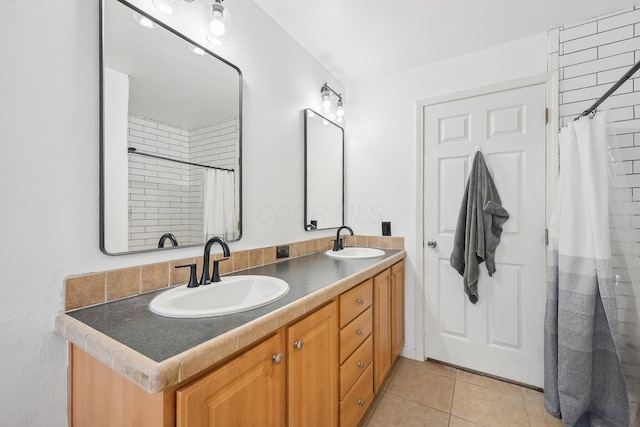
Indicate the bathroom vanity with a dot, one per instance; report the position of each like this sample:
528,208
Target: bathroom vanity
315,357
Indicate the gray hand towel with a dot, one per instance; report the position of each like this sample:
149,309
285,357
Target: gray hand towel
479,227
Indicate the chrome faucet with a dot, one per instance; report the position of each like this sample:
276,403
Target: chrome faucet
165,236
226,253
337,244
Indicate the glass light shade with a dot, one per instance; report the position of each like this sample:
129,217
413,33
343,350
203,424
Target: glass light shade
170,7
143,20
219,23
340,109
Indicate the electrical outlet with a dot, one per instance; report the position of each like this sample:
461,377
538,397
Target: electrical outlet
386,228
282,251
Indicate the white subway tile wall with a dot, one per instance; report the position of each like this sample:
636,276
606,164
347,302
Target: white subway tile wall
590,57
166,196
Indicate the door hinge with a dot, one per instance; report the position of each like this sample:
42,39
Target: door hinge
546,237
546,116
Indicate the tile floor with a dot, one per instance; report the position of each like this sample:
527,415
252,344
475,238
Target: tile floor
430,394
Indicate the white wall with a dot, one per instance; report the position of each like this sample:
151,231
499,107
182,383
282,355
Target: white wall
49,117
381,142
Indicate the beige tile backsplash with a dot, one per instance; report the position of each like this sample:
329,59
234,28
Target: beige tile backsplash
97,288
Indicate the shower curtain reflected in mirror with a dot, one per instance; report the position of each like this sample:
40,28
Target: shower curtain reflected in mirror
219,216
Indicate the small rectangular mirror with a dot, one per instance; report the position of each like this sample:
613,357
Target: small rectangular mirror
171,137
324,172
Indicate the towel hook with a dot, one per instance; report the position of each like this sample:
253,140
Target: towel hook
478,148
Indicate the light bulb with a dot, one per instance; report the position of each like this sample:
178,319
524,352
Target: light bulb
217,25
339,119
167,6
195,49
143,20
340,109
326,100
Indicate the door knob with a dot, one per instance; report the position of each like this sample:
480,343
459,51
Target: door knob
432,244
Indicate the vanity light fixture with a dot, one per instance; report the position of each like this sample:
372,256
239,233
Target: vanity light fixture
325,93
219,23
170,7
143,20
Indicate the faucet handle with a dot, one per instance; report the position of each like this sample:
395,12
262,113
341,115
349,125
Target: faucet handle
193,280
216,269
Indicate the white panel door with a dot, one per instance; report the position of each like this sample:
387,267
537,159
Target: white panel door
502,334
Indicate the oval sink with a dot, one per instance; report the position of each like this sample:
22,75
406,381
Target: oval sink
232,294
355,253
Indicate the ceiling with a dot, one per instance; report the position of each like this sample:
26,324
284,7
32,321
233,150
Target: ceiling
359,40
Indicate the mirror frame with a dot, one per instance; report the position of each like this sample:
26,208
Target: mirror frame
307,225
101,30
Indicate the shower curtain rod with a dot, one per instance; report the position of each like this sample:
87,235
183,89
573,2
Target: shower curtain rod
608,93
132,150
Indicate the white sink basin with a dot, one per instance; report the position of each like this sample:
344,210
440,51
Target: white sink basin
355,253
232,294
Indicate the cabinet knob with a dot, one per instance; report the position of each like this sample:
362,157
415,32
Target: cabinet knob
361,364
360,301
298,344
361,402
277,358
360,332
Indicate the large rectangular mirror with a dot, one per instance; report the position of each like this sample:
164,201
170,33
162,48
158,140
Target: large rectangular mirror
324,172
171,137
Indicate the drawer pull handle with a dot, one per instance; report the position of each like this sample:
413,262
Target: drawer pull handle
361,364
360,301
360,332
298,344
361,402
277,358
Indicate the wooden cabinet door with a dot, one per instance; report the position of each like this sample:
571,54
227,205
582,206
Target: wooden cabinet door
397,309
247,391
313,364
381,328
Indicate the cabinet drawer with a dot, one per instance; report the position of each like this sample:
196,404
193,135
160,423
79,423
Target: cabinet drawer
356,402
354,334
355,365
355,301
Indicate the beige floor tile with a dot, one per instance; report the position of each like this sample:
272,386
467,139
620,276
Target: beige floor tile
487,382
433,367
539,417
461,422
488,406
421,386
536,396
395,411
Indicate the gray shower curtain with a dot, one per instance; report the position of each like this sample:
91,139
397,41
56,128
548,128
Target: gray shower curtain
583,383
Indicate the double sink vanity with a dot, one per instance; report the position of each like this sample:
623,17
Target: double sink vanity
302,341
315,355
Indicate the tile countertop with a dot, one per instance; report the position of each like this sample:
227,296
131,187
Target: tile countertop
157,352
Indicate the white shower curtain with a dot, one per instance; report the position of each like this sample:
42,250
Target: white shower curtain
583,375
219,204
